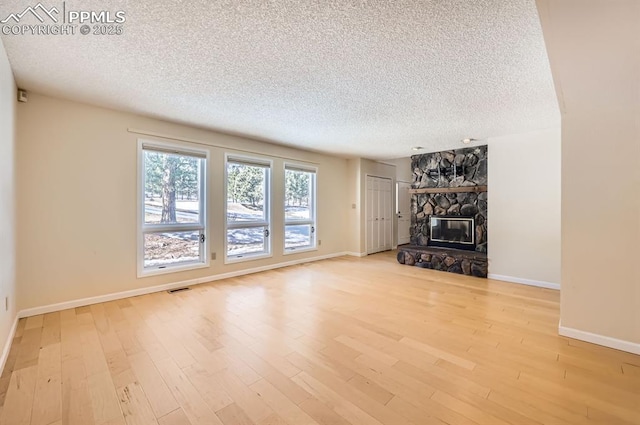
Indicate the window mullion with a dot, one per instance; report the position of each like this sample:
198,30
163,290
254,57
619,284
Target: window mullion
294,222
171,228
246,225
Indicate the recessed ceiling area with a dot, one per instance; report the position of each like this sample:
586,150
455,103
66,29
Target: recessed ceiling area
370,79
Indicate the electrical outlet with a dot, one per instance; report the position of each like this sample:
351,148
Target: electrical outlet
213,255
319,242
353,206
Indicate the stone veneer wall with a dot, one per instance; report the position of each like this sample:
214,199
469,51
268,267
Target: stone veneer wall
456,168
461,262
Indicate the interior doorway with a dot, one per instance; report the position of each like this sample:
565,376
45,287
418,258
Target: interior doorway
403,210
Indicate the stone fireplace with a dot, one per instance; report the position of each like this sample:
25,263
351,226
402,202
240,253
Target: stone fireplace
452,232
449,212
424,206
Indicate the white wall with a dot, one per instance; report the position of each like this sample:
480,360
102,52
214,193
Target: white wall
524,207
594,52
403,169
354,206
77,200
7,202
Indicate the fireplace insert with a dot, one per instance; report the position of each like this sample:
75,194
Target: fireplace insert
456,232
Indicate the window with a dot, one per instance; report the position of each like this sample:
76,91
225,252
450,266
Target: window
299,209
247,208
172,214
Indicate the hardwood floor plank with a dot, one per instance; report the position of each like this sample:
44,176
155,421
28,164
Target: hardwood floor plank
440,354
233,415
341,341
48,387
520,403
20,395
50,329
171,344
593,403
186,394
393,380
310,360
160,398
425,413
247,399
563,409
5,377
92,351
322,413
118,421
34,322
208,386
281,404
177,417
355,397
104,399
261,360
480,409
135,406
367,350
20,328
76,400
29,348
371,389
342,407
438,377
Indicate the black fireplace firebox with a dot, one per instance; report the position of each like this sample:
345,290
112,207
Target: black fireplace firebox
456,232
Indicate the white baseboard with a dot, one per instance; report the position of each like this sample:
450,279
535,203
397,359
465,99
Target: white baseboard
356,254
158,288
7,344
530,282
605,341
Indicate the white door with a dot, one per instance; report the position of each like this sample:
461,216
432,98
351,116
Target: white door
404,212
371,224
378,213
386,215
375,211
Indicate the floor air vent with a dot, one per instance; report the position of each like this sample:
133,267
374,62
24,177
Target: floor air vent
173,291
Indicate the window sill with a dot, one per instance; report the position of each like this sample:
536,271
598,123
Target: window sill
299,250
172,269
244,258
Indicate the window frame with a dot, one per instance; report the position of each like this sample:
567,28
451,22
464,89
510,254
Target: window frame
146,228
313,220
266,223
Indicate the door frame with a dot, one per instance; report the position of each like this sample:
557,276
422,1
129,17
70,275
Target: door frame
397,203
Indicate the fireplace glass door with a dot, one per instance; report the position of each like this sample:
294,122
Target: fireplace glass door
452,230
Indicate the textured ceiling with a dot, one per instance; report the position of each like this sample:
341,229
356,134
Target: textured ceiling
365,78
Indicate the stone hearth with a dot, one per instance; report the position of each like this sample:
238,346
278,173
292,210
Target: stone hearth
458,261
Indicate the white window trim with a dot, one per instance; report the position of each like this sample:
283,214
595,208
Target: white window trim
141,227
313,210
240,258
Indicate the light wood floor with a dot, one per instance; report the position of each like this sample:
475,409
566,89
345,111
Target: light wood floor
342,341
